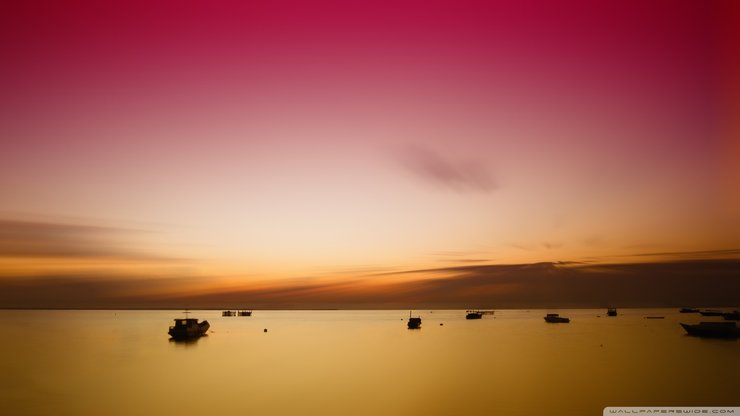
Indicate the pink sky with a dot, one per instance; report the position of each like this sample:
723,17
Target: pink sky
264,140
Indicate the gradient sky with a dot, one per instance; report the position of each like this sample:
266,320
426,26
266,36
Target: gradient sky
242,143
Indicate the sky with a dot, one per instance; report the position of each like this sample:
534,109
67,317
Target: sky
181,150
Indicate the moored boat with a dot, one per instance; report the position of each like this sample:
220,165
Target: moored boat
473,315
711,312
188,328
688,310
611,312
713,329
554,318
245,313
228,313
414,322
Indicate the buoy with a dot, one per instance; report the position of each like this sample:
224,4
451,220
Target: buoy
265,329
441,324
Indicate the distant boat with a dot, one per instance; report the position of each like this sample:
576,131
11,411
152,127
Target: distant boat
245,313
414,322
611,312
477,314
473,315
188,328
228,313
711,312
731,316
655,317
713,329
554,318
688,310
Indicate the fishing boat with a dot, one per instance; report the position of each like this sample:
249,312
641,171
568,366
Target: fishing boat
414,322
711,312
611,312
554,318
477,314
245,313
188,328
228,313
688,310
713,329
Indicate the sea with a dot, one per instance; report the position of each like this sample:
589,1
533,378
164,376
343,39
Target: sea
350,362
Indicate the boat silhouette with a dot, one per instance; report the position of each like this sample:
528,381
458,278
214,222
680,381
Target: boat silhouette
713,329
554,318
414,322
188,328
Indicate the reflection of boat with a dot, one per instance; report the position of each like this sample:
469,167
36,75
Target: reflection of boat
731,316
188,328
611,312
554,318
711,312
688,310
414,322
245,313
713,329
228,313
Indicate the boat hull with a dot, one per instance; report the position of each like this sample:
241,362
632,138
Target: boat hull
191,332
713,330
414,323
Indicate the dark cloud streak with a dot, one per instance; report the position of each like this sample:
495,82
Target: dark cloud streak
457,175
34,239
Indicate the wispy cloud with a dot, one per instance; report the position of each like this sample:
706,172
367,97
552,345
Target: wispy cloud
37,239
466,175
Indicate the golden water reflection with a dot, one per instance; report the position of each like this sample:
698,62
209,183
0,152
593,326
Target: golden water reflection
359,363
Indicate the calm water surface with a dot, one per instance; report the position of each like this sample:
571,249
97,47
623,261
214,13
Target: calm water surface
359,363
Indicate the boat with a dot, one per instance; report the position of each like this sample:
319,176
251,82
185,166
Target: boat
188,328
554,318
611,312
474,315
731,316
711,312
688,310
655,317
228,313
245,313
414,322
713,329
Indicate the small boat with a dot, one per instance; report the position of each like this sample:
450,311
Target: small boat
474,315
655,317
477,314
228,313
414,322
731,316
688,310
611,312
711,312
245,313
188,328
554,318
713,329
